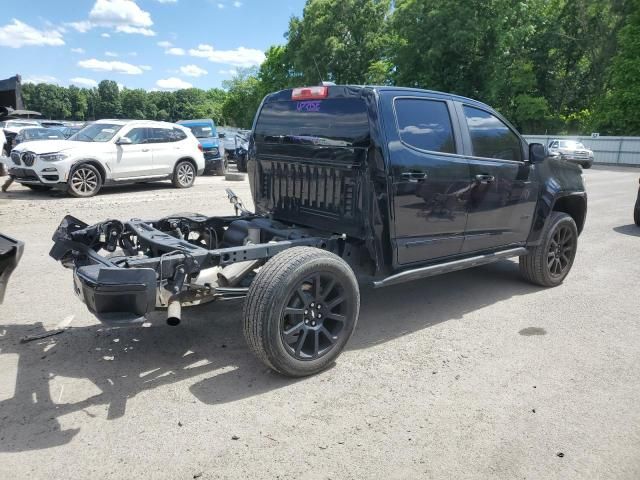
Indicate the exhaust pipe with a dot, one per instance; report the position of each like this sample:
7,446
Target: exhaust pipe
174,312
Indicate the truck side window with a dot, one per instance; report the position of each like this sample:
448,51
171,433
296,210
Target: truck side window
425,124
490,137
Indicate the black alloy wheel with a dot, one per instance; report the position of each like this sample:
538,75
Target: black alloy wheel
561,251
314,317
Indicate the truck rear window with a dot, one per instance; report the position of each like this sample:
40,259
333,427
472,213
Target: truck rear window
335,122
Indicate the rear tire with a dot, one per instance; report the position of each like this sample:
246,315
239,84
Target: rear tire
241,164
549,263
300,311
222,170
586,165
184,174
636,211
84,181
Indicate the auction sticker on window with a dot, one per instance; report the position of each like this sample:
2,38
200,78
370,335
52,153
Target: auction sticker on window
308,106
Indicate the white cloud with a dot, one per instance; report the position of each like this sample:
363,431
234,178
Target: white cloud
237,4
175,51
84,82
231,72
18,34
111,54
77,50
110,66
82,27
40,79
167,1
173,83
105,35
193,71
147,32
145,67
240,57
221,6
164,44
124,16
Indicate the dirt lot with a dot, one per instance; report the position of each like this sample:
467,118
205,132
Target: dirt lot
474,374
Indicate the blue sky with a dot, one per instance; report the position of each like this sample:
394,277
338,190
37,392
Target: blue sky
150,44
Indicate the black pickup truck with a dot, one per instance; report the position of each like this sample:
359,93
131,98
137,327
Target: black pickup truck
352,185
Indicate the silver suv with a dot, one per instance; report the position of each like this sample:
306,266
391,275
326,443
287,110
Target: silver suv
572,151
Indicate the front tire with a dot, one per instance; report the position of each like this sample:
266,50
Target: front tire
222,170
549,263
184,174
636,211
241,163
301,310
84,181
586,165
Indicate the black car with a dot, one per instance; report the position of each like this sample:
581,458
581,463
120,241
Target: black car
352,185
10,253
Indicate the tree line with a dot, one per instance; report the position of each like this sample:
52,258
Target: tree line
550,66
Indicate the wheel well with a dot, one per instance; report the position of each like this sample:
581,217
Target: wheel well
93,163
573,206
188,159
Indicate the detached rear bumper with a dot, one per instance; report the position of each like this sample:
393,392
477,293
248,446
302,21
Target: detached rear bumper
116,296
10,253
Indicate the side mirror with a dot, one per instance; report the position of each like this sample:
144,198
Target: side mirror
537,152
221,135
124,141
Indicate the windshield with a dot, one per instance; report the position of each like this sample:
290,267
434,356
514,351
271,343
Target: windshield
41,133
571,144
21,124
97,132
201,131
340,122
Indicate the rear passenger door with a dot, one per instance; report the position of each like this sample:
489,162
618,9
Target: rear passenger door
166,147
430,179
503,196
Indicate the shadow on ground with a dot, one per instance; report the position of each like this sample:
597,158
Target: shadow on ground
631,229
18,192
124,362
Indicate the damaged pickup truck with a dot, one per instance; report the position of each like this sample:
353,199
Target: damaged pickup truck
351,185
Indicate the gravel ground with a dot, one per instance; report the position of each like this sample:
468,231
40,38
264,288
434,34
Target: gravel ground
473,374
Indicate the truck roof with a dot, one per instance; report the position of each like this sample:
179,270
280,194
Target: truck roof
353,90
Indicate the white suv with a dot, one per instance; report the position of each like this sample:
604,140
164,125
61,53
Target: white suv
109,152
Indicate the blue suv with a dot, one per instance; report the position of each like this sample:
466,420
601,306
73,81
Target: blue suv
205,131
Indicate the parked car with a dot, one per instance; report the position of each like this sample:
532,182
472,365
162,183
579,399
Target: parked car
11,129
32,134
52,123
378,184
10,253
636,210
572,151
110,152
205,131
68,131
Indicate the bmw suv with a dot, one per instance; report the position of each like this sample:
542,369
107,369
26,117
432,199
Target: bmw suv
109,152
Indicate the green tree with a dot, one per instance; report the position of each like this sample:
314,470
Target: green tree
244,94
109,105
134,103
338,40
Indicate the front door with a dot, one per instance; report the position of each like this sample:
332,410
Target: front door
134,159
430,180
503,196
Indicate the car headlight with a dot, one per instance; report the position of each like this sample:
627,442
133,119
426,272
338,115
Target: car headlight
214,151
52,157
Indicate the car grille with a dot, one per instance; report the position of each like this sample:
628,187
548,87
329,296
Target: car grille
15,158
581,154
28,158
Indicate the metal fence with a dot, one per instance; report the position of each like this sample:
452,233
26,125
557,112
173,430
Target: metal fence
606,150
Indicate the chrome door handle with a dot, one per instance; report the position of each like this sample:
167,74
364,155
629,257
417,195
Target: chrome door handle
146,149
485,178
